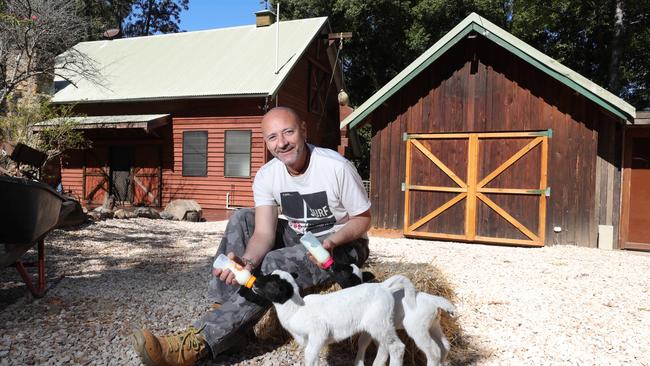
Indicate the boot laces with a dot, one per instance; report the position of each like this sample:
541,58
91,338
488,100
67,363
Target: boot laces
190,337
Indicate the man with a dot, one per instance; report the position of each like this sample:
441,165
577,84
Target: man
318,191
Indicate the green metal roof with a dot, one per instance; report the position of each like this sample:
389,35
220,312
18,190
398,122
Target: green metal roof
225,62
476,23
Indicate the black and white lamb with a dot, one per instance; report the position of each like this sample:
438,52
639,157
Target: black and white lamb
317,320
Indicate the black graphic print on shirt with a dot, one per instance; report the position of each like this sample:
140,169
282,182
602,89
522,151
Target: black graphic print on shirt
308,212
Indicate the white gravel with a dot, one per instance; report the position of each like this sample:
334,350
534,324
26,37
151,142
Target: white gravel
559,305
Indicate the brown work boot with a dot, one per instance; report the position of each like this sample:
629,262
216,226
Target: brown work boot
185,348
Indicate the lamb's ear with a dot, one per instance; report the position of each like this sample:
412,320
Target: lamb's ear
294,275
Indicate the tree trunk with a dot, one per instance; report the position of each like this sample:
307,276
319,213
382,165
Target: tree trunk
615,60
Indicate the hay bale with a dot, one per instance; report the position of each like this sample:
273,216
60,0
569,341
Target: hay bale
425,277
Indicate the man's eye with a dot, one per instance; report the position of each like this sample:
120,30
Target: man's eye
270,138
288,132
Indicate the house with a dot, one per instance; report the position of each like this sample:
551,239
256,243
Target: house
178,115
485,139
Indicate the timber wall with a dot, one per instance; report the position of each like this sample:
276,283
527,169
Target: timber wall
478,86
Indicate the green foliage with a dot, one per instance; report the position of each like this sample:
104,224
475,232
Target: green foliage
390,34
387,34
132,17
150,17
53,140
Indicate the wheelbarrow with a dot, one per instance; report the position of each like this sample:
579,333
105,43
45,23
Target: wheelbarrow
29,210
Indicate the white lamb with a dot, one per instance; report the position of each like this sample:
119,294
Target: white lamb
318,320
421,323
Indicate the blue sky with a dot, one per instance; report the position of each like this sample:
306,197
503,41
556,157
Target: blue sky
209,14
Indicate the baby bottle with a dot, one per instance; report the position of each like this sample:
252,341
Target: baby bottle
316,249
242,275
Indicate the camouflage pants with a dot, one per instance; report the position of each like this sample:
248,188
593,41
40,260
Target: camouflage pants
223,326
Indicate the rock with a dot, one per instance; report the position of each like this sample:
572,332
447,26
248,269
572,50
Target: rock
124,214
71,213
104,213
180,208
147,212
166,216
193,216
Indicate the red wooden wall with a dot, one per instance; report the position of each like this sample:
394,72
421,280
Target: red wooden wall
210,191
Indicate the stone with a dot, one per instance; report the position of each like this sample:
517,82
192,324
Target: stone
94,215
166,216
124,214
104,213
147,212
180,208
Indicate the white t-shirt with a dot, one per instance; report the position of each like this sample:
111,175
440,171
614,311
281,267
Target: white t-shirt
320,200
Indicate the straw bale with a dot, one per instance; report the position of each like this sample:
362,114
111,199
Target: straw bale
425,277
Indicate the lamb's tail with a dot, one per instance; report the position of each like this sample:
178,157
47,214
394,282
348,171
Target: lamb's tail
399,282
444,304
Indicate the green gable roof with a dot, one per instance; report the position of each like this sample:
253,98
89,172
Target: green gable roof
475,23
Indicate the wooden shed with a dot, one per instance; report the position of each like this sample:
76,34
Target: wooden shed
178,115
485,139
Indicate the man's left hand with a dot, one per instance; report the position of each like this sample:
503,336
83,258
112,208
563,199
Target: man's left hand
329,246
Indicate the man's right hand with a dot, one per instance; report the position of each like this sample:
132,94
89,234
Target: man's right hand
226,275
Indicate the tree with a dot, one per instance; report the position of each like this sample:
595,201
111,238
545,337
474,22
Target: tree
154,16
102,15
388,34
32,34
53,140
606,41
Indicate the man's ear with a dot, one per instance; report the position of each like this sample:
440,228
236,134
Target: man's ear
294,275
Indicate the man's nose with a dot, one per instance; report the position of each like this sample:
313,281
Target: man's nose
282,141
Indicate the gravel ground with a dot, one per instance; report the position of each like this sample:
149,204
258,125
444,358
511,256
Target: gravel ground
559,305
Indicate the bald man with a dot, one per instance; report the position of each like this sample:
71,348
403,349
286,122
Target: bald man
318,191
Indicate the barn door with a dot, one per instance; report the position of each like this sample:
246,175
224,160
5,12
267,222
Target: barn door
635,218
147,175
477,187
96,174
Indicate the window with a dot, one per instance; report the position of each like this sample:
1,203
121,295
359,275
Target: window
195,153
238,154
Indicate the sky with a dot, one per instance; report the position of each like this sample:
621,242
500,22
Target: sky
209,14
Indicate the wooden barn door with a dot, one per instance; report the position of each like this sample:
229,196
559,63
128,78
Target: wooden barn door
635,218
477,187
147,175
96,175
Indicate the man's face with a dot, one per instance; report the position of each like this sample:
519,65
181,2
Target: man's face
285,134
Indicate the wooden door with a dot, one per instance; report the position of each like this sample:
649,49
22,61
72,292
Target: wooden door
96,175
635,218
147,175
477,187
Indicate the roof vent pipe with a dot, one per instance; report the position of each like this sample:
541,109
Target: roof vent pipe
277,39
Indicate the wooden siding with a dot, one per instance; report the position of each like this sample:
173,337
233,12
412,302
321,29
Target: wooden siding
210,191
322,130
479,87
72,173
